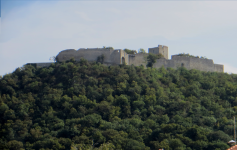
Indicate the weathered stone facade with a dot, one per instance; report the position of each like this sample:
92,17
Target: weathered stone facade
160,50
119,56
111,56
189,63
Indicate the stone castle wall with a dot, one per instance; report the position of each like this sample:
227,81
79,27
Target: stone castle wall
219,68
199,63
194,63
138,59
115,57
124,57
111,56
88,54
178,61
189,63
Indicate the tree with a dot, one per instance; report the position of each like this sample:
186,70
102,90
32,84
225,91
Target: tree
151,59
53,58
176,144
89,104
128,51
101,58
13,145
141,50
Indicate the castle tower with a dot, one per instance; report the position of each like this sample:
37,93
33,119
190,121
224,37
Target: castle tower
161,49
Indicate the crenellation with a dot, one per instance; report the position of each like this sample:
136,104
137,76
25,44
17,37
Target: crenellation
119,56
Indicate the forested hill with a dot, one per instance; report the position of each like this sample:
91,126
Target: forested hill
85,105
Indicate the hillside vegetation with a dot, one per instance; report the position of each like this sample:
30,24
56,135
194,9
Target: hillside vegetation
86,105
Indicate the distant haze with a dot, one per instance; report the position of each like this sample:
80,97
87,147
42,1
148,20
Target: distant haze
34,31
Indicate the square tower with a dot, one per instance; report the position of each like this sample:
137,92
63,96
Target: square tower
161,49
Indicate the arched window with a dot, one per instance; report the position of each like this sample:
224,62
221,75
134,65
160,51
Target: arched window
182,64
123,60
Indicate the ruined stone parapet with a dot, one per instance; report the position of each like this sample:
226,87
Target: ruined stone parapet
138,59
191,63
219,68
110,55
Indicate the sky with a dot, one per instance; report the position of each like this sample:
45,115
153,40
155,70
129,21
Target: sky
33,31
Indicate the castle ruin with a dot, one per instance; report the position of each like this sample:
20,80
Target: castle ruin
119,56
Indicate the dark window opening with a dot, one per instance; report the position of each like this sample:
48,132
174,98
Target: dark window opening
182,65
123,60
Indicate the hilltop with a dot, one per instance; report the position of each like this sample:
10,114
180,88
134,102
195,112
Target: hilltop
77,103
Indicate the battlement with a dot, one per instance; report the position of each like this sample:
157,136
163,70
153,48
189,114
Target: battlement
196,63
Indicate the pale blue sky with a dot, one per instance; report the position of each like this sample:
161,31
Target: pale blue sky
33,31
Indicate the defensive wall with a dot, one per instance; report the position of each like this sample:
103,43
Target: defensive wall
111,56
189,63
118,56
138,59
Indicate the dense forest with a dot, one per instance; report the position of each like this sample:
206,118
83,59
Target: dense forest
82,105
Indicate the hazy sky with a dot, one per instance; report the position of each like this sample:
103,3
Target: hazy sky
33,31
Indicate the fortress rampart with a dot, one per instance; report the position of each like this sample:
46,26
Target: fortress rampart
119,56
111,56
189,63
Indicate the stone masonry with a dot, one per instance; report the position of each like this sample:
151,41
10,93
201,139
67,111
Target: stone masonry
119,56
